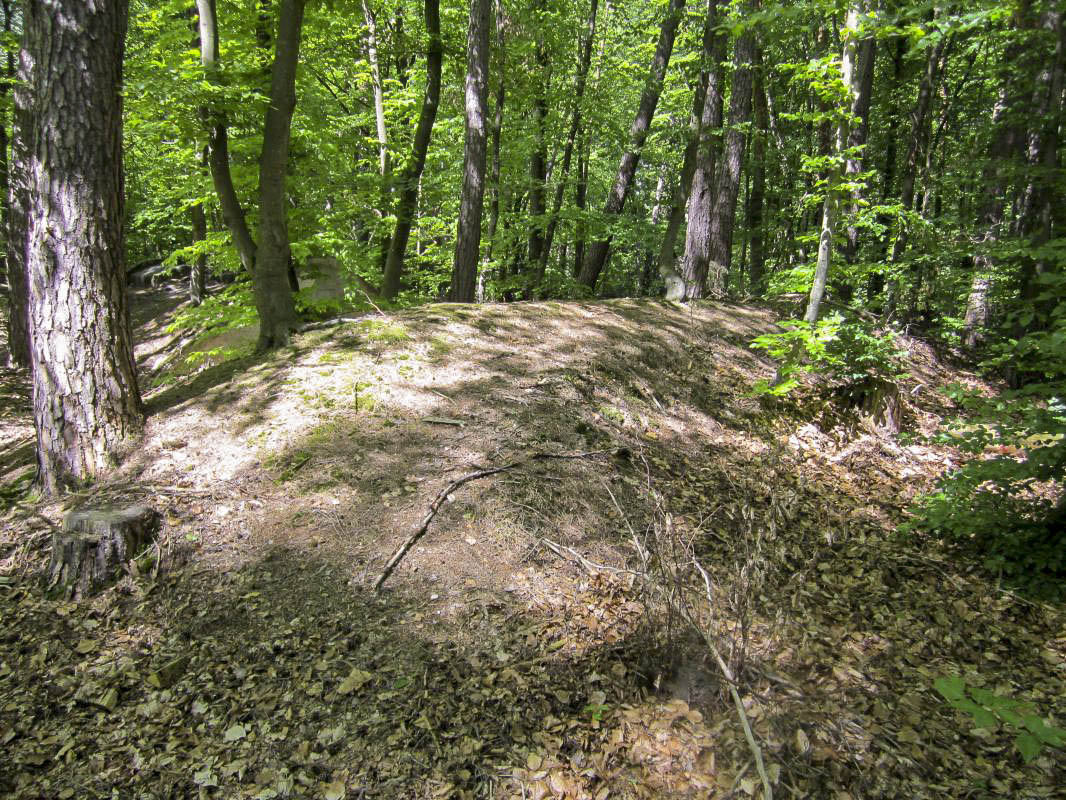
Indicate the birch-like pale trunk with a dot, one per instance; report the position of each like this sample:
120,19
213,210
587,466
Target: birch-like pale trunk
851,78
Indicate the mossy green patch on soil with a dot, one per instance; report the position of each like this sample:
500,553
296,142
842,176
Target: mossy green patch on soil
533,642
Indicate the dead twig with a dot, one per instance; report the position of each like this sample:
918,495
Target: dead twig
727,673
571,554
411,540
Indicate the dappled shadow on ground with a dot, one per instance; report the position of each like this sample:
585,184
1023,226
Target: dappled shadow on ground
499,663
281,680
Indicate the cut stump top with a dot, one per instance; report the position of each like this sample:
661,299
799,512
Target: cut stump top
105,520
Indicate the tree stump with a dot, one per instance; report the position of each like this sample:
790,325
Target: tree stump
94,546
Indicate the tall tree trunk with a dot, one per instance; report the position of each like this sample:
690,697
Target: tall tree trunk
888,171
691,281
866,52
538,159
852,79
198,272
85,396
711,51
584,60
993,184
384,163
596,258
917,142
273,293
468,237
497,129
405,209
658,211
14,215
1035,209
218,142
756,202
727,179
581,189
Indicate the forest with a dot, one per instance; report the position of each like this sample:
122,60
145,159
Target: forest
532,399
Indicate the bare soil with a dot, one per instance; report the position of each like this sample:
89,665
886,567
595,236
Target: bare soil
525,647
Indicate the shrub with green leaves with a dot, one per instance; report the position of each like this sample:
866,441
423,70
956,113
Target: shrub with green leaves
231,307
1007,502
991,711
849,353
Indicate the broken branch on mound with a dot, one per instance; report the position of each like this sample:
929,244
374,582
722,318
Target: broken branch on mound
411,540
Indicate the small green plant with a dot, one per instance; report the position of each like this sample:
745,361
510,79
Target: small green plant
990,710
596,711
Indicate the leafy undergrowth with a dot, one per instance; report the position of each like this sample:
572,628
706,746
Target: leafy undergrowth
541,640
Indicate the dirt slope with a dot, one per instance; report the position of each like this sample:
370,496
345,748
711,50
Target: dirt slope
521,649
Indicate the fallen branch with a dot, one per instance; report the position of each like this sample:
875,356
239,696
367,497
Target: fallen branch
412,540
370,300
330,323
570,554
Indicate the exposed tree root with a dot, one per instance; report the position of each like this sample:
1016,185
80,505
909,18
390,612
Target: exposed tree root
411,540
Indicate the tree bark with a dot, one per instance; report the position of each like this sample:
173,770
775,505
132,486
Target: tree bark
580,80
917,142
497,128
218,142
405,209
757,199
581,189
852,79
888,171
994,180
14,215
696,257
866,52
96,546
198,273
700,132
727,179
273,293
85,396
1035,209
379,93
658,211
468,237
596,258
538,159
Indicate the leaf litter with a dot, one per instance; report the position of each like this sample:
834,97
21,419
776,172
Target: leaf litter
275,673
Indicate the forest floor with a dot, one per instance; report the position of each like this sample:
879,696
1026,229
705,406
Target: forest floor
542,639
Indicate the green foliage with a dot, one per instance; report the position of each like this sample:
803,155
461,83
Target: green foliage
1003,502
232,307
990,711
850,354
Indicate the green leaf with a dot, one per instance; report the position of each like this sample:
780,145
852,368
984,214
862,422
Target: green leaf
1042,731
1028,745
951,687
